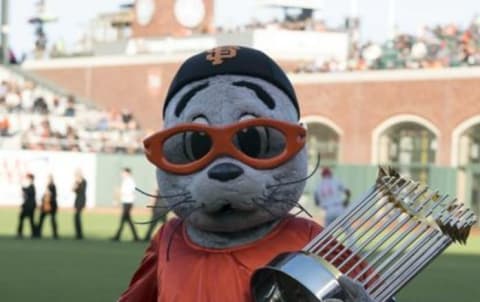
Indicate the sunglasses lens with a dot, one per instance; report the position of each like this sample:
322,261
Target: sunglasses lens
186,147
260,142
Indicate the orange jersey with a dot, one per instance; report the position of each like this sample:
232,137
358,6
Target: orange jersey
194,273
198,274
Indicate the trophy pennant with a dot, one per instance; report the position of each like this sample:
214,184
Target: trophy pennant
382,241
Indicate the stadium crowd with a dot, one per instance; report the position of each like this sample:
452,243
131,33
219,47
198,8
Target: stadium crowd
434,47
288,24
34,118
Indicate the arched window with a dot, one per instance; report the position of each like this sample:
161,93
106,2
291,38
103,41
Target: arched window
323,140
466,141
409,147
470,146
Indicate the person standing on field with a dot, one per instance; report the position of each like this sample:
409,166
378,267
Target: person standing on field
80,189
28,206
49,207
127,197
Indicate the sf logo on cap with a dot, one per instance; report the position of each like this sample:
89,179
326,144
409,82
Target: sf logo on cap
219,54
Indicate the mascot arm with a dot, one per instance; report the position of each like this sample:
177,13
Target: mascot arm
144,284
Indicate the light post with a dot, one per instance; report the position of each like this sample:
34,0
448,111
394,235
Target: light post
39,20
392,22
4,31
353,29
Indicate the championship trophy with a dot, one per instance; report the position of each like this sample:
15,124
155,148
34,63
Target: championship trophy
382,241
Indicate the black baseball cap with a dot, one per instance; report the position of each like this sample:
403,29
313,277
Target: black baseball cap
233,60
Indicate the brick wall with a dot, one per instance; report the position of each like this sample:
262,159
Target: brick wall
355,106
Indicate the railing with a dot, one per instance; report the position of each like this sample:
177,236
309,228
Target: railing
84,144
86,135
44,83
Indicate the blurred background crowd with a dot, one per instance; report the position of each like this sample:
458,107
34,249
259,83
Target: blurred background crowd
436,46
32,117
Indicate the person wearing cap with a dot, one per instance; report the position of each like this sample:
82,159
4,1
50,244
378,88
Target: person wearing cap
331,195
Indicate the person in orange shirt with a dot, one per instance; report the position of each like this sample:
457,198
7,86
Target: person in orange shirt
231,163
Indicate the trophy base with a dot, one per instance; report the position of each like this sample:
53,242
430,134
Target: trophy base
296,277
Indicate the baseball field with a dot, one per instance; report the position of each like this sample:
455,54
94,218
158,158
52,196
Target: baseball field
97,269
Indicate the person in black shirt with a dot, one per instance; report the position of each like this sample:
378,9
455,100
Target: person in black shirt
28,206
70,109
49,207
80,189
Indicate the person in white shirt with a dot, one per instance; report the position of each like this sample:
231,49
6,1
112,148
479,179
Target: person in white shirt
127,197
13,101
331,195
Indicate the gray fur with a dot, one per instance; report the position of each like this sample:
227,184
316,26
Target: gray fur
259,208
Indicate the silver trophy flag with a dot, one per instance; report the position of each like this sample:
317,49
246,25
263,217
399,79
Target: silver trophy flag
382,241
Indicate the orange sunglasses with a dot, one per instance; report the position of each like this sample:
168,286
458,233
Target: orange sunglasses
261,143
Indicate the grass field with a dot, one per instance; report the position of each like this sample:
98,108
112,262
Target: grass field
97,269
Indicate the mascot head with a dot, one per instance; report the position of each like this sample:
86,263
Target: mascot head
232,151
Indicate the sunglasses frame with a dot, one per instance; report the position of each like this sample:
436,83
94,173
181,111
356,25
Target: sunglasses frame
222,144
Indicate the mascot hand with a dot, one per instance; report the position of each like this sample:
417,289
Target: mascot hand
354,290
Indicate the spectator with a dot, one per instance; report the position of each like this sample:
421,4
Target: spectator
57,109
4,88
126,116
4,125
70,139
44,131
103,122
70,109
13,102
40,106
27,97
